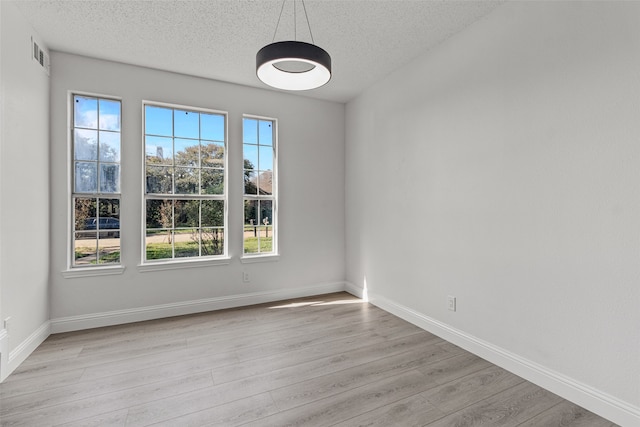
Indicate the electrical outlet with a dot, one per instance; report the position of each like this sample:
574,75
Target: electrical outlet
7,323
245,277
451,303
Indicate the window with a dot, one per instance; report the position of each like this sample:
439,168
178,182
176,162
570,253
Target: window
96,180
185,185
259,149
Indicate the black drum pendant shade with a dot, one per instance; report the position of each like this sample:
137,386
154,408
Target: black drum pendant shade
293,65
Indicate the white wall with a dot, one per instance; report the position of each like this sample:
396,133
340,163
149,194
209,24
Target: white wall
502,168
311,209
24,192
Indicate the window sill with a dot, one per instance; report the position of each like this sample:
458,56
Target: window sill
250,259
73,273
176,265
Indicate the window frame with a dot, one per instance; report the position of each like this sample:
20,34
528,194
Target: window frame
183,262
86,270
274,254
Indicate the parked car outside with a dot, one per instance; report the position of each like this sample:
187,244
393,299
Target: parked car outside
103,223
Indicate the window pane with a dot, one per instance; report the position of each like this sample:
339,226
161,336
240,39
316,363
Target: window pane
265,183
159,214
109,147
212,154
250,182
250,131
85,112
212,213
158,244
84,213
212,181
251,212
187,152
250,226
266,133
158,121
109,249
187,213
159,180
266,158
266,239
85,248
109,115
109,217
86,177
212,127
186,181
187,243
159,150
109,178
250,156
212,241
250,243
186,124
85,144
266,212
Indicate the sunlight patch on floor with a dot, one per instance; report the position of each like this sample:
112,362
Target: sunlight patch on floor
318,303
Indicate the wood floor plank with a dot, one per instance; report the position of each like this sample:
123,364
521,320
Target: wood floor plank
365,373
340,407
314,361
566,414
16,386
263,362
44,415
508,408
110,419
276,377
231,414
413,411
454,368
52,366
462,392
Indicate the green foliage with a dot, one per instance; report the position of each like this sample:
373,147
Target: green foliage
198,169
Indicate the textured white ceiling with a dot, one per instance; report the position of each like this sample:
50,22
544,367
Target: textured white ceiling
218,39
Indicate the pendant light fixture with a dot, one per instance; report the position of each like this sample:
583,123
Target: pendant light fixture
293,64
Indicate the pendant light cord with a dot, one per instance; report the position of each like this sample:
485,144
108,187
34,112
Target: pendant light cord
295,28
278,24
308,25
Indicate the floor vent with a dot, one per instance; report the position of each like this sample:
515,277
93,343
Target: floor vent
40,56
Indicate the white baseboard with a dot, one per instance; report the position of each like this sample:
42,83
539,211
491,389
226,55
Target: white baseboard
355,291
603,404
4,354
96,320
23,350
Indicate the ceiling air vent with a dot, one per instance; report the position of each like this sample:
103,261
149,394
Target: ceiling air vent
40,56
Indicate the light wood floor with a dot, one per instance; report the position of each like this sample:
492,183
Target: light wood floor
321,361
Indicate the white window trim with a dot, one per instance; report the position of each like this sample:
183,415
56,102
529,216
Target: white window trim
252,259
182,263
177,263
108,270
248,258
98,269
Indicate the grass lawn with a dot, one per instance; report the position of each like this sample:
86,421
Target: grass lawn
251,245
105,257
182,250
